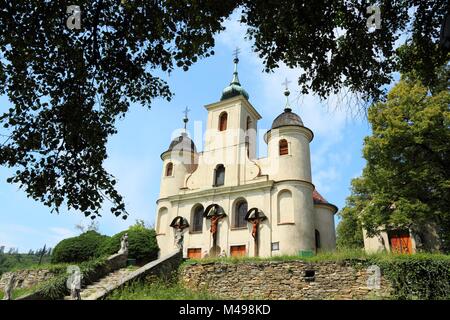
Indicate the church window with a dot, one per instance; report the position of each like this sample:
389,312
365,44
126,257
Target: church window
283,145
249,123
197,219
239,214
169,169
219,178
223,118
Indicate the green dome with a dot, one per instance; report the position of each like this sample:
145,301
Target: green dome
235,88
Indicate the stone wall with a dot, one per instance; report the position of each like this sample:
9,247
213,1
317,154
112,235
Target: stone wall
294,280
26,278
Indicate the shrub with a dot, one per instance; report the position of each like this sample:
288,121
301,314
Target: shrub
142,244
78,249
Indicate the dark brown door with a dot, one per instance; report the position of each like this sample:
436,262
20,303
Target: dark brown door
194,253
237,251
400,242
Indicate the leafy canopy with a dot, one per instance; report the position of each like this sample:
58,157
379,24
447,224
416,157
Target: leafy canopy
69,87
406,182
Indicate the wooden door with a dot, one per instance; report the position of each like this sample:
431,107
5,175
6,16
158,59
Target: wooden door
237,251
194,253
400,242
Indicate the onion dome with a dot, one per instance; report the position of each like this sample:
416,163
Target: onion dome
235,88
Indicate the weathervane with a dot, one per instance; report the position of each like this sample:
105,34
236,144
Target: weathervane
186,119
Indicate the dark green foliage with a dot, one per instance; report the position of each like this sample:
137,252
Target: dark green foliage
142,244
418,276
78,249
406,181
349,230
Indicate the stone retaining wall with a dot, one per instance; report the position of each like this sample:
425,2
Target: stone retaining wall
283,280
26,278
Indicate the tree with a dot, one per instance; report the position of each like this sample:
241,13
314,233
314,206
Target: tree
68,86
349,229
406,182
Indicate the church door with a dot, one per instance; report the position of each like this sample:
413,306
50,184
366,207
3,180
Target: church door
237,251
194,253
400,242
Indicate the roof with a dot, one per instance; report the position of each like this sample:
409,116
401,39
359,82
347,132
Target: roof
235,88
182,143
287,118
318,199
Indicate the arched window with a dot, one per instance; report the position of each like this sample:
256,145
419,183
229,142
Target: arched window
223,118
219,178
283,146
285,207
169,169
163,222
249,123
317,238
239,214
197,219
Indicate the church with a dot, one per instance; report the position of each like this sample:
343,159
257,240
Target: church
225,201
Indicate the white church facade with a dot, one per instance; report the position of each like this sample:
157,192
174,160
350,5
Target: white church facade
226,201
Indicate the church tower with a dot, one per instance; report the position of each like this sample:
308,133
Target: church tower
289,160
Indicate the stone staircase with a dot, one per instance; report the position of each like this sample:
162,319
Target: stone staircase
97,289
116,279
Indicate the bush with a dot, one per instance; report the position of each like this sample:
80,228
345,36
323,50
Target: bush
78,249
142,244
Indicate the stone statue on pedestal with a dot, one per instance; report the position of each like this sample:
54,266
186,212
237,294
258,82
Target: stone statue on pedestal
75,285
124,244
9,287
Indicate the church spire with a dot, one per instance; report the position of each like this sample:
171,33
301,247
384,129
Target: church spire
235,79
186,119
287,107
235,88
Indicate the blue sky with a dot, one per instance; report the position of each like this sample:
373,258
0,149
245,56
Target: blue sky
144,134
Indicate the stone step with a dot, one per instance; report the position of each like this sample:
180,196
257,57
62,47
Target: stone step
111,279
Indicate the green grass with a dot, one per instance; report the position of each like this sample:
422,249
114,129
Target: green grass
19,292
332,256
159,290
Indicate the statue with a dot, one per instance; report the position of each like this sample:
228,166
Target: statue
75,285
9,287
214,213
179,224
124,244
179,238
255,217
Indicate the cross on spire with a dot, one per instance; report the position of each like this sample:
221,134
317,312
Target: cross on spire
186,119
236,53
286,83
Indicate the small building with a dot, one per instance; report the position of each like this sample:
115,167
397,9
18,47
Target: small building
225,200
403,241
